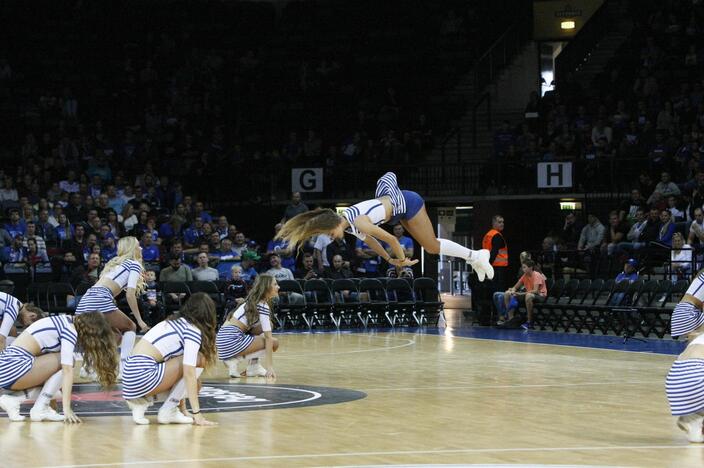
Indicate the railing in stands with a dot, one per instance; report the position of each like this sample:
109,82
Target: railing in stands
486,97
582,44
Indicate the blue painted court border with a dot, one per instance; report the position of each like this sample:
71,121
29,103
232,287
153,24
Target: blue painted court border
612,342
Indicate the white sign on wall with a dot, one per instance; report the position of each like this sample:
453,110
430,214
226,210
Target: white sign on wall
554,174
308,179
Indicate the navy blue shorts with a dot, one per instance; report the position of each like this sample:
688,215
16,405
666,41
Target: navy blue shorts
414,203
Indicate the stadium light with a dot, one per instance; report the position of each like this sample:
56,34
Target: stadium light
567,25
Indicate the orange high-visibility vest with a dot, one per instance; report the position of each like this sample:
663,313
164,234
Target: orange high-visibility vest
501,259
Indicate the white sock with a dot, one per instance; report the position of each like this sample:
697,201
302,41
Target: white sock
51,386
178,391
453,249
128,339
9,340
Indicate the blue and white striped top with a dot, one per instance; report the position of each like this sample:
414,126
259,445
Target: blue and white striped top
54,334
386,186
174,338
9,309
696,289
264,316
126,274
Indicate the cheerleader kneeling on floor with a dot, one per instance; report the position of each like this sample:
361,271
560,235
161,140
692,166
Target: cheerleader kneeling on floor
247,331
167,362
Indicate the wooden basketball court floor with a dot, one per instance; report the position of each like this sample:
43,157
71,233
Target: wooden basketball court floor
432,398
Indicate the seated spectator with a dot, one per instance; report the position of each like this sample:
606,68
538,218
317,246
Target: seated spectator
368,260
175,272
108,248
628,209
193,233
203,272
592,234
86,275
307,271
663,189
150,301
630,274
295,207
15,252
34,255
667,230
16,226
249,259
614,234
277,270
571,230
150,252
680,258
338,269
280,247
636,236
535,291
31,233
696,229
236,289
405,241
45,229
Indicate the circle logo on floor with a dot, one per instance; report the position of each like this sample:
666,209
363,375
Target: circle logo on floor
90,400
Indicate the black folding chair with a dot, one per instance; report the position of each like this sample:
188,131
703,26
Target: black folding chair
402,301
291,305
211,289
373,301
429,307
346,301
319,302
57,297
174,294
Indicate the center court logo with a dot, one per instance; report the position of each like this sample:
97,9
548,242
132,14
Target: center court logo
89,400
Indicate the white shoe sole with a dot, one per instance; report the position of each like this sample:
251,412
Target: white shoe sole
693,429
481,265
36,416
8,406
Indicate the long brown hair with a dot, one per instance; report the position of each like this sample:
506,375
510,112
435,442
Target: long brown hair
306,225
257,295
199,310
97,340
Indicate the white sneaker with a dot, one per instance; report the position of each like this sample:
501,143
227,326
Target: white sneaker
173,416
692,425
480,264
256,370
232,367
11,405
88,374
139,406
44,413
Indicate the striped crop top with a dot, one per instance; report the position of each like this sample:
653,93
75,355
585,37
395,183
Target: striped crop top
55,333
126,274
9,309
264,314
374,209
174,338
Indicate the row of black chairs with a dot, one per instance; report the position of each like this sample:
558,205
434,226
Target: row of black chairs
302,303
359,302
623,308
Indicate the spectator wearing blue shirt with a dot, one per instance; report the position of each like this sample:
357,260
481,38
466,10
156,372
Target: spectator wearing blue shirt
280,247
369,265
108,249
199,211
193,233
14,253
150,252
249,258
667,229
16,226
630,274
405,241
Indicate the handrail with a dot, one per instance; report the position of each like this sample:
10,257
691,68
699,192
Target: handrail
455,132
581,45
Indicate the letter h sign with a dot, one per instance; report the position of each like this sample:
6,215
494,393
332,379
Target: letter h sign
554,175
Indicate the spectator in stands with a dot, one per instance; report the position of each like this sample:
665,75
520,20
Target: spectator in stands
338,269
175,272
15,227
696,231
666,231
239,247
64,230
108,248
45,229
278,271
320,250
663,189
75,211
295,207
680,258
128,218
635,239
614,234
193,233
5,238
630,274
78,242
34,255
571,230
368,261
629,207
307,271
280,247
340,247
535,291
199,211
15,253
222,227
592,234
8,191
249,258
150,252
86,275
236,289
204,272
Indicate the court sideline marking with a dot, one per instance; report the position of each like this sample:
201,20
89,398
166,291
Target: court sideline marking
388,453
